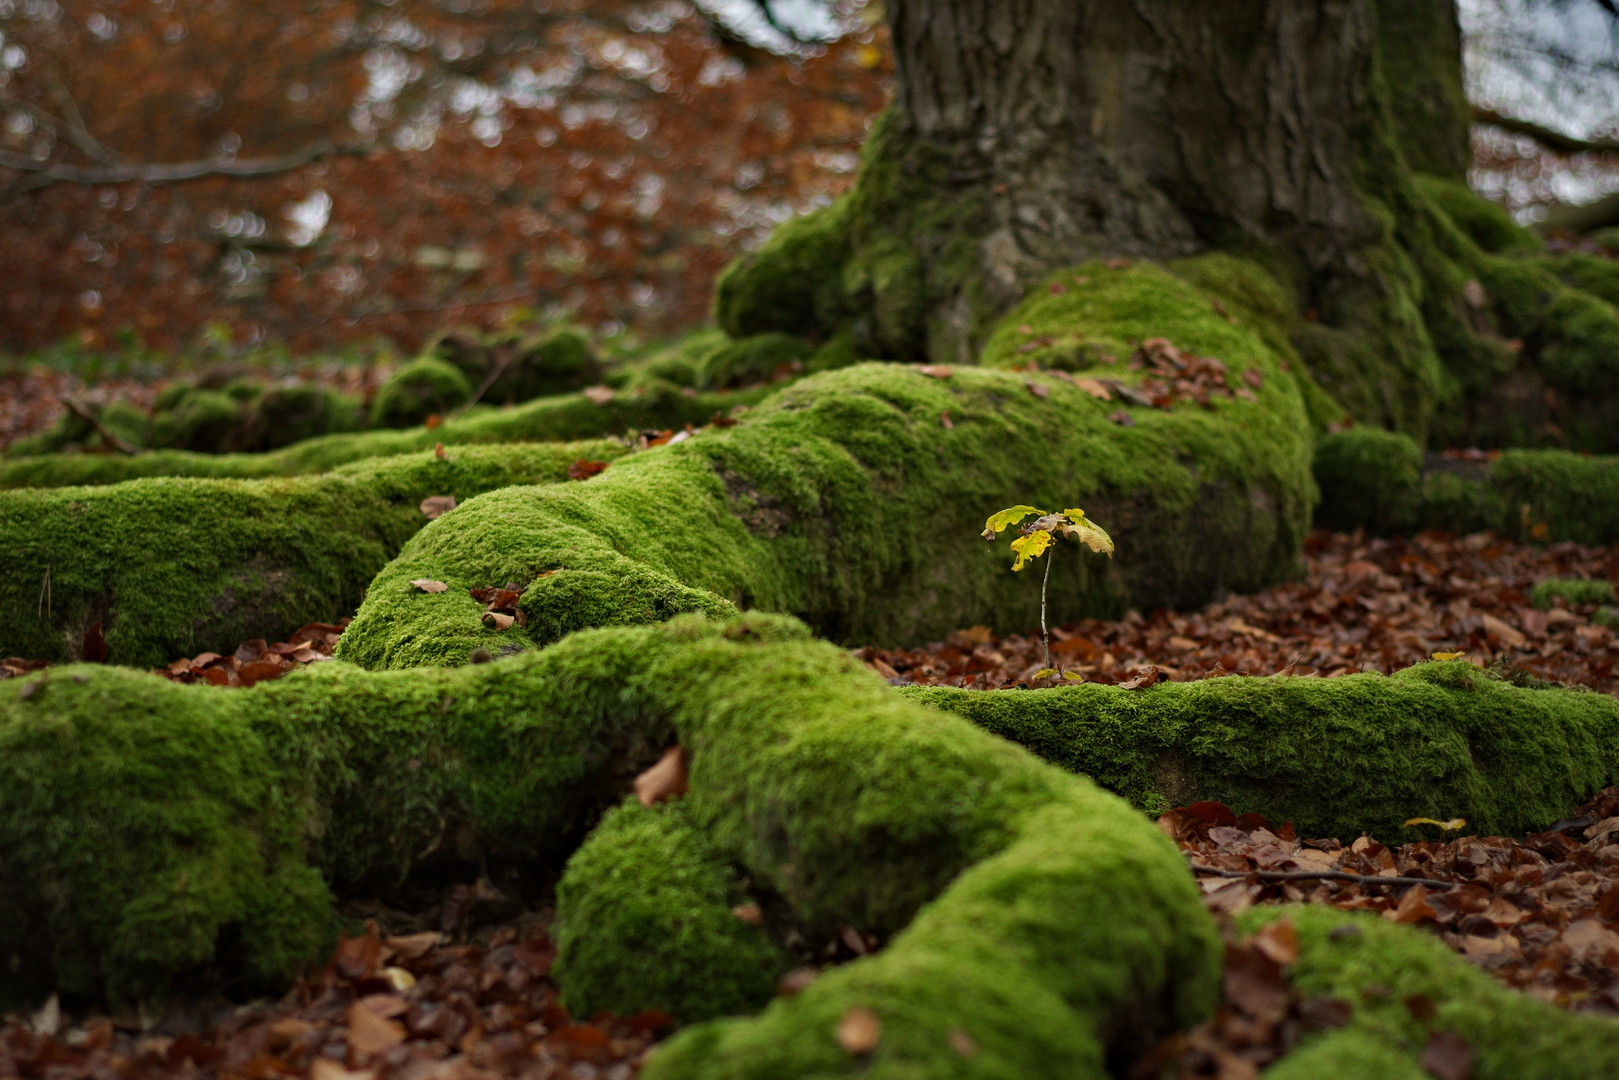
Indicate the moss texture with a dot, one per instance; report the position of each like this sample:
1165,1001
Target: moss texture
1023,904
845,499
173,567
1376,967
1570,591
570,416
422,388
646,922
1380,481
1334,756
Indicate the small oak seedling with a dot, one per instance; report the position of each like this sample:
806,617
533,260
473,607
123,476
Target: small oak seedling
1039,537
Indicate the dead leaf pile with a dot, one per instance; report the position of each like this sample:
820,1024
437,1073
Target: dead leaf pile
1364,605
500,605
1541,914
257,661
1174,375
385,1008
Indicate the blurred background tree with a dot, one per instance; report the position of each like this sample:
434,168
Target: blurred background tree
317,171
310,171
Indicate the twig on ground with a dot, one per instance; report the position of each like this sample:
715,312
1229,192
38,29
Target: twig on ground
1322,875
88,415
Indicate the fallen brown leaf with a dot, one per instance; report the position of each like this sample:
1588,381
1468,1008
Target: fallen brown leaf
859,1031
665,780
429,585
436,506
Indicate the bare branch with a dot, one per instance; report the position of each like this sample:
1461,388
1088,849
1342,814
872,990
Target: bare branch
50,172
88,415
1545,136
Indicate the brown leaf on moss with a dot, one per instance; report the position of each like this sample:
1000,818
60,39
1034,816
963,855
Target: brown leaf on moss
584,470
436,506
599,395
429,585
664,781
1448,1056
859,1031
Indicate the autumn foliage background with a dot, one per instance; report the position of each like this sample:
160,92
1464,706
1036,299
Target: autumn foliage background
423,163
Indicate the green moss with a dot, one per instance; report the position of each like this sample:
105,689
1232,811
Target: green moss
1332,756
1374,479
1018,902
1377,967
207,421
173,567
1571,591
846,500
1369,479
791,284
420,389
570,416
284,415
1485,223
645,921
710,360
1419,51
1608,616
1594,274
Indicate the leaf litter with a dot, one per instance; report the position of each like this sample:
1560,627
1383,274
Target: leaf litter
1363,605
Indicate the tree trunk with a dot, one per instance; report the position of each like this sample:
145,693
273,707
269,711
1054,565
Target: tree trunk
1027,135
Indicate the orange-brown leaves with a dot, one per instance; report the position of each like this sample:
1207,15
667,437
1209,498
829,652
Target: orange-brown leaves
664,781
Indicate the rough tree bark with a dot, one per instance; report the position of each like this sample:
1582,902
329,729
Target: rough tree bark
1031,134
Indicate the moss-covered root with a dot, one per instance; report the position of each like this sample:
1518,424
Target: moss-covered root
568,416
1038,914
173,567
1334,756
1378,968
1380,481
1051,913
856,498
647,920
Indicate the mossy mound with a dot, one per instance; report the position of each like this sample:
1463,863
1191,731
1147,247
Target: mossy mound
646,920
553,419
239,416
173,567
1571,591
711,360
1377,968
1382,482
519,366
422,388
855,500
1334,756
830,792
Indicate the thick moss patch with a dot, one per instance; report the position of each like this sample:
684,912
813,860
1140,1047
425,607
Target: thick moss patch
1334,756
855,500
1378,967
831,793
569,416
173,567
1380,481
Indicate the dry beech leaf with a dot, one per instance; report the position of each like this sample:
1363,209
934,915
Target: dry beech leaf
935,371
412,946
599,395
436,506
494,620
944,418
1280,942
429,585
665,780
584,470
859,1031
798,980
749,913
1039,390
962,1043
324,1068
438,452
370,1034
1094,388
1448,1056
433,421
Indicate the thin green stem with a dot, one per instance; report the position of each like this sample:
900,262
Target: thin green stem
1045,635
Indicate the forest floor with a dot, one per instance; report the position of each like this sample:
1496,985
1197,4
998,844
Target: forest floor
445,993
